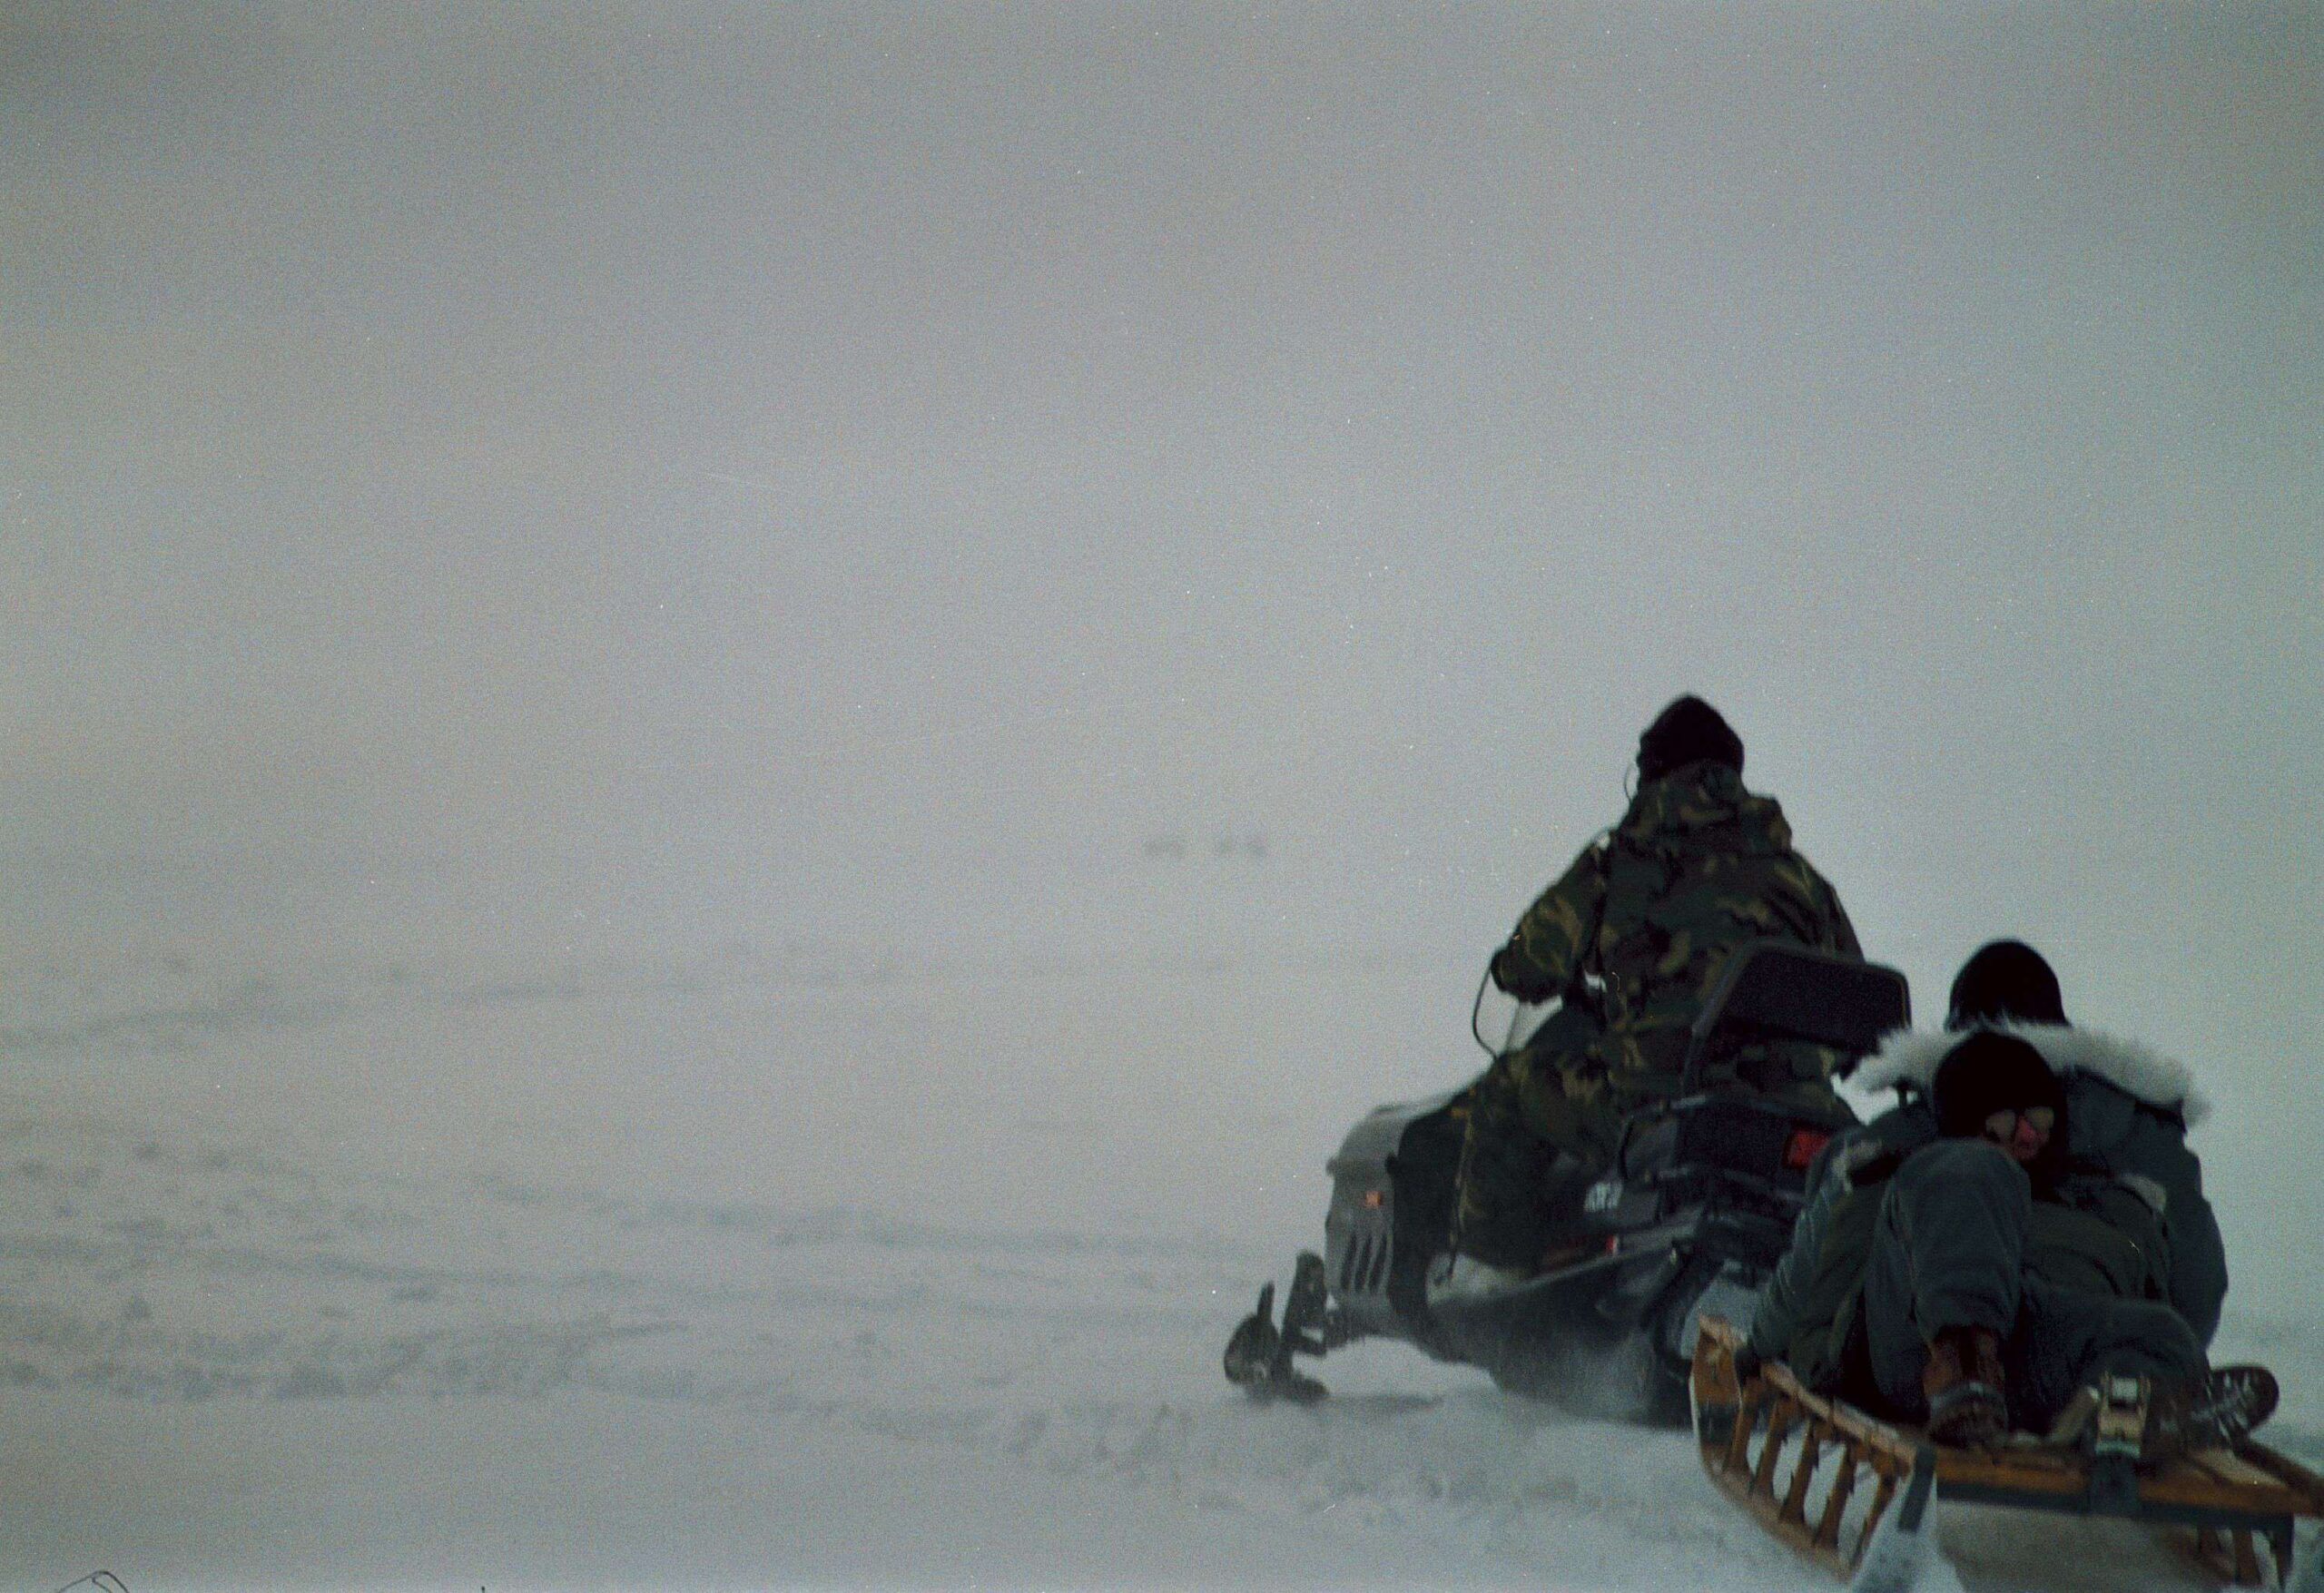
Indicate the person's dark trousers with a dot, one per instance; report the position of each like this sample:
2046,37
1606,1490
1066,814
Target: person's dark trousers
1950,1252
1518,1168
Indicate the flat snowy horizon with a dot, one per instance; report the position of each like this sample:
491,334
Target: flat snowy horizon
778,1270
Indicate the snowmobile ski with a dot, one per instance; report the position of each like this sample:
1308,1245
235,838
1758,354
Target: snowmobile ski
1258,1354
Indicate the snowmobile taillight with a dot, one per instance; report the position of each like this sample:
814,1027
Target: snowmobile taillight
1373,1199
1801,1149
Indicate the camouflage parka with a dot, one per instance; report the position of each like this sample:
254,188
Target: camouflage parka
1638,930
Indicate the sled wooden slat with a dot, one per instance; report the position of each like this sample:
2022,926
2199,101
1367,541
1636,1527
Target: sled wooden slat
2188,1484
1795,1499
2212,1551
2294,1476
2232,1469
1882,1498
2229,1481
2243,1507
2247,1559
2234,1556
2041,1475
1738,1445
1796,1533
1779,1425
1836,1503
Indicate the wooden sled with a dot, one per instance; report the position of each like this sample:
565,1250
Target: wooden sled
1769,1442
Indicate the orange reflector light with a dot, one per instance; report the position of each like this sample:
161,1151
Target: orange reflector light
1567,1254
1802,1146
1373,1199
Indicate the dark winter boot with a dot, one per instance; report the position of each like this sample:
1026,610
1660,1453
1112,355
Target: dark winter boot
1963,1382
2215,1411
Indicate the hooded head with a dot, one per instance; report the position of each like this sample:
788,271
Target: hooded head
2004,982
1994,1085
1690,730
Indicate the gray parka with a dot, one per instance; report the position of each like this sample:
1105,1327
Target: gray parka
2128,1109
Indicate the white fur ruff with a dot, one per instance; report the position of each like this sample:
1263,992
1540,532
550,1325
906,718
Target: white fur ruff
1911,1056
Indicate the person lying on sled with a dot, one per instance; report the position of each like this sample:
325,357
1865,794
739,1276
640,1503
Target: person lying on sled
1949,1285
2129,1109
1631,939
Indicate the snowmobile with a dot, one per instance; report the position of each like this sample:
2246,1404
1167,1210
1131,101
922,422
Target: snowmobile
1688,1218
1799,1462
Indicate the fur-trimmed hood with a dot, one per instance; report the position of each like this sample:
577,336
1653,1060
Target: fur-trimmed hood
1911,1056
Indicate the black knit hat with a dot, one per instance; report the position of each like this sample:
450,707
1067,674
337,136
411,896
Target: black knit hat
2004,980
1690,730
1991,1072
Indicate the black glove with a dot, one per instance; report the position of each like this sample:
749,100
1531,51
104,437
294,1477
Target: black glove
1747,1361
1509,975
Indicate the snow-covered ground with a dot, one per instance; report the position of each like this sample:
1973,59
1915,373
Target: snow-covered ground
772,1269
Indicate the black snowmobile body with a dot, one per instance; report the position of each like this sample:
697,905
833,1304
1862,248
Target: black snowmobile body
1688,1219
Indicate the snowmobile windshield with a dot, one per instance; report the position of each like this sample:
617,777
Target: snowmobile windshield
1523,1021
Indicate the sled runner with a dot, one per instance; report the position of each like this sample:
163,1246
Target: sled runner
1823,1476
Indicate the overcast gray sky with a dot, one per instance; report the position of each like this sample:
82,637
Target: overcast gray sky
869,471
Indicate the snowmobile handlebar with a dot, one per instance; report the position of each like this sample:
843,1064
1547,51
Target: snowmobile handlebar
1509,1040
1476,1010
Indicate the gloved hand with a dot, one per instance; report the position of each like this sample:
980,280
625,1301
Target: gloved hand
1509,974
1747,1361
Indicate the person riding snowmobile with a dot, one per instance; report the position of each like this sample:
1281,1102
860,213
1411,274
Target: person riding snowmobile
1631,940
1956,1280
